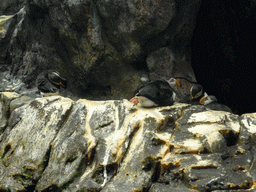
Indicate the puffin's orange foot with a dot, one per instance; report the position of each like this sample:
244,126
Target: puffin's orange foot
134,100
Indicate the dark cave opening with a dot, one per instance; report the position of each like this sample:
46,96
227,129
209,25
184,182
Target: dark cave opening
224,52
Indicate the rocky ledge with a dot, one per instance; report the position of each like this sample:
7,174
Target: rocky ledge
57,144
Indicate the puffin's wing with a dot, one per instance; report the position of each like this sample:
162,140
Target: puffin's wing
149,91
56,79
158,91
41,78
44,85
41,82
166,93
48,87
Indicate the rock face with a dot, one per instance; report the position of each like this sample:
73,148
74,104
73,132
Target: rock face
95,44
10,7
57,144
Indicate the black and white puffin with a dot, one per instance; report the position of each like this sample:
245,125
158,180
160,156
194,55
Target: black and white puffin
157,93
50,81
196,93
211,102
191,96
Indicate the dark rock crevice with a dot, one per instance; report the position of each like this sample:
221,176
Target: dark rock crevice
223,52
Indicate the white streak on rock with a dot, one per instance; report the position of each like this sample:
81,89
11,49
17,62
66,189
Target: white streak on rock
207,116
110,144
249,121
207,129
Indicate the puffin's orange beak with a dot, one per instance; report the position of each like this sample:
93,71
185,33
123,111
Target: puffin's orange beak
178,83
202,100
134,100
61,84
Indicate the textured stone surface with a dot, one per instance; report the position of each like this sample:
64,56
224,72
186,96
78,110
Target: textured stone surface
10,7
16,103
24,149
95,44
162,64
5,99
55,143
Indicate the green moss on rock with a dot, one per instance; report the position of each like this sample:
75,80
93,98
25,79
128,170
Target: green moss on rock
3,20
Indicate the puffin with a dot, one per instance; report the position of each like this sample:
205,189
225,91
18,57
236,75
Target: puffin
156,93
199,97
50,81
211,102
196,92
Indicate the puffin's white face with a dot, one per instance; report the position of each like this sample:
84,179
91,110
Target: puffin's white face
174,83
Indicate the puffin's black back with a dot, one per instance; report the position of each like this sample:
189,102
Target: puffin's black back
45,85
158,91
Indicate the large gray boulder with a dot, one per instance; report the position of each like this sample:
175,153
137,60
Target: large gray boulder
10,7
57,144
107,48
96,44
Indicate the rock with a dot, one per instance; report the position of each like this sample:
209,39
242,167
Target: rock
94,44
16,103
162,64
3,23
160,187
28,144
5,99
55,143
248,133
10,7
6,22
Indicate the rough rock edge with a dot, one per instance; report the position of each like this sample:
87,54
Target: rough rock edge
156,132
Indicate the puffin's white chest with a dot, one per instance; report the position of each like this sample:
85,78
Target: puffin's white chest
145,102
